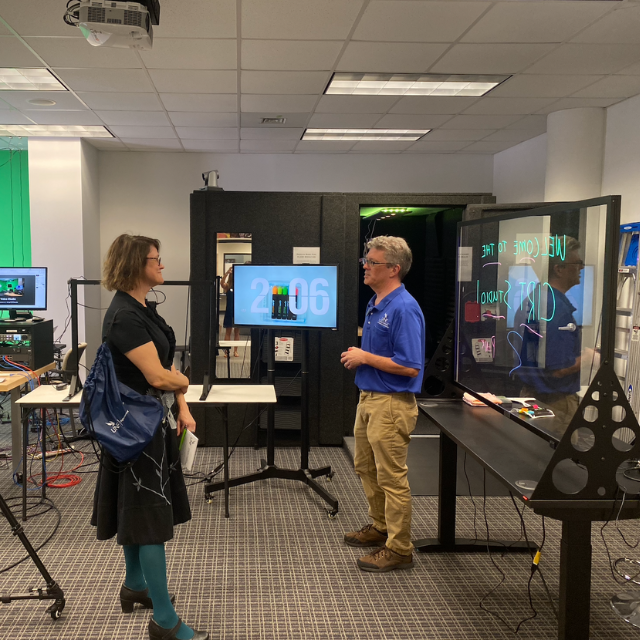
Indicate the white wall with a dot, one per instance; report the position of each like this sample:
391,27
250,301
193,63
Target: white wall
621,173
519,172
148,193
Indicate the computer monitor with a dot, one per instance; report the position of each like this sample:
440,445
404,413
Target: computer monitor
292,296
22,290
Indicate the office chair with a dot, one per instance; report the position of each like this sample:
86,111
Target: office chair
66,371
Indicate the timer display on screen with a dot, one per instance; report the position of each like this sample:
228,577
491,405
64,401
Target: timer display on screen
303,296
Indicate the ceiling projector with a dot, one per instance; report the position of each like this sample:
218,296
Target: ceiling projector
109,23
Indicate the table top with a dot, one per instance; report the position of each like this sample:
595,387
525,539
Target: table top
232,394
47,395
235,343
15,379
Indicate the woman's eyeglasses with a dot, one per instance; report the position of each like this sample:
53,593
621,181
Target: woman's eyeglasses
373,263
158,260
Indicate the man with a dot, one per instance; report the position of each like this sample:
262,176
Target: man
389,367
556,382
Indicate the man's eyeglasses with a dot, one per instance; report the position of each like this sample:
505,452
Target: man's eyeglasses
158,260
373,263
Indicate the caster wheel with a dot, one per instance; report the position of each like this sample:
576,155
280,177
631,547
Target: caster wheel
330,476
332,514
55,615
209,500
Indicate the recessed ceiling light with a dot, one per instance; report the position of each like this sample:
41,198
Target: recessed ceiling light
364,134
411,84
39,102
29,80
53,131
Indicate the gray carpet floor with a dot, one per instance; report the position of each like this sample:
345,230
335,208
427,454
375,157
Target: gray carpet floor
277,568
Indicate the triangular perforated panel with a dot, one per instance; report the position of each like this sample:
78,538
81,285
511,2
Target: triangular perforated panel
439,374
602,435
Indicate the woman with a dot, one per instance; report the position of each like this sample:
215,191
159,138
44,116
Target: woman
140,503
227,323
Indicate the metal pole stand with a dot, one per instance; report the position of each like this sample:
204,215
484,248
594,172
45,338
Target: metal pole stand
268,468
53,590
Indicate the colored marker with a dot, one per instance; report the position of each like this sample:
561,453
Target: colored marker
274,293
285,303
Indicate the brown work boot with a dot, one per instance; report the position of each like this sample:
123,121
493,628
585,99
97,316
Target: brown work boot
385,559
368,536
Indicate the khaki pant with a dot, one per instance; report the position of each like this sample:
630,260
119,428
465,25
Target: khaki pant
384,422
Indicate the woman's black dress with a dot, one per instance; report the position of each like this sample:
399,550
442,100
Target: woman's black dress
227,322
140,502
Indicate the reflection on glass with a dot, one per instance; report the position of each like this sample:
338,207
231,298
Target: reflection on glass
234,360
529,307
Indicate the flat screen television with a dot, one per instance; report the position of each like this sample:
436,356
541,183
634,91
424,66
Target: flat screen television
23,289
285,296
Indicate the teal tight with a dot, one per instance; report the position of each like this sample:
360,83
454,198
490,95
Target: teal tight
147,568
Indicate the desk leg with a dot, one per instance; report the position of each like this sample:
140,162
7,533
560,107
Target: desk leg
25,441
575,580
225,453
43,448
446,540
16,430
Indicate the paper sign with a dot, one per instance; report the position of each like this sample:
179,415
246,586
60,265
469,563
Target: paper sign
306,255
284,349
465,259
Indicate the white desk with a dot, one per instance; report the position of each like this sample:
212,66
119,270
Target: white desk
43,397
223,395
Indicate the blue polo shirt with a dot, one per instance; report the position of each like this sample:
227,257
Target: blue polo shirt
394,329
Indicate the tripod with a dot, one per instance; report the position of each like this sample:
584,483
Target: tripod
52,591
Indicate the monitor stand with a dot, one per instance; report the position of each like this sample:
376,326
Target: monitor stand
17,316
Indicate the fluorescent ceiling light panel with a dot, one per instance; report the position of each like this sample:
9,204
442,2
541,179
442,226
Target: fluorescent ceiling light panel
411,84
53,131
364,134
29,80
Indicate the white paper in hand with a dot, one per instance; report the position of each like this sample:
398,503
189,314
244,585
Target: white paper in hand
188,451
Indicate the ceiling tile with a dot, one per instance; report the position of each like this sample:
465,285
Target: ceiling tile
284,82
254,120
576,103
228,146
622,26
276,104
587,58
207,133
187,53
77,52
506,106
324,146
542,86
200,102
37,18
390,57
432,104
65,100
514,136
437,146
299,20
534,21
631,70
410,21
468,135
271,133
121,101
125,80
194,81
490,58
611,87
290,55
196,19
151,144
125,131
480,122
268,146
194,119
106,144
63,117
487,147
139,118
343,120
402,121
537,123
355,104
15,54
380,146
12,116
3,30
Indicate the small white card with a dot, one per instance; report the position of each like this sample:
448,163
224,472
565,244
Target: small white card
306,255
284,349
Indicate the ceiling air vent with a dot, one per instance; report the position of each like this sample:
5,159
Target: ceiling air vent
278,120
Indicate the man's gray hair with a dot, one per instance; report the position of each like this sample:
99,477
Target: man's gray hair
396,251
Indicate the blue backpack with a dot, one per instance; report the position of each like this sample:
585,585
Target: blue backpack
122,420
